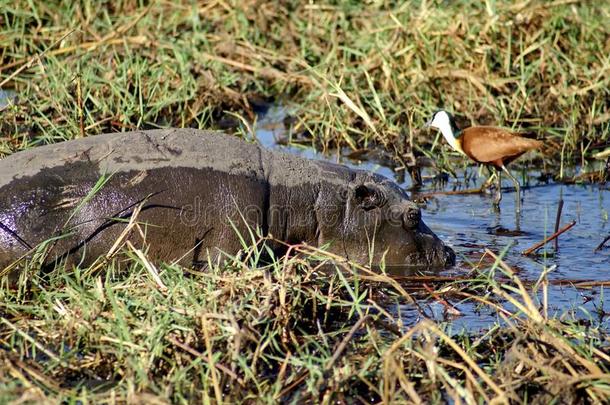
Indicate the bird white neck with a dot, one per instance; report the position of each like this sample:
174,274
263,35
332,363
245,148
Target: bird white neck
449,135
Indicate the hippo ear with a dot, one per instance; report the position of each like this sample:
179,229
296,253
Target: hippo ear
368,196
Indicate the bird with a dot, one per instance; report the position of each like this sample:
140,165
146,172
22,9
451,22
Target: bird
491,146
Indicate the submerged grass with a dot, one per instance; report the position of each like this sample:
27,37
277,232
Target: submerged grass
356,75
301,327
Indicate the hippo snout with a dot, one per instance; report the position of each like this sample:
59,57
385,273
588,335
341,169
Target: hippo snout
432,250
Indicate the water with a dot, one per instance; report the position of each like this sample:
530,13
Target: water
469,224
7,97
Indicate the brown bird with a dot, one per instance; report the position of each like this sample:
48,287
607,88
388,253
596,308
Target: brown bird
491,146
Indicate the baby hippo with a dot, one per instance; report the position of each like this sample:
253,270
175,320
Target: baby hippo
195,192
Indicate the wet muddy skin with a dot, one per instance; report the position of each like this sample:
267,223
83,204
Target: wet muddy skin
470,224
197,192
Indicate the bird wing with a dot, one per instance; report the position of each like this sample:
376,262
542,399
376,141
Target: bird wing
489,144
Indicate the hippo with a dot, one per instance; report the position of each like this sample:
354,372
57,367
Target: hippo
199,195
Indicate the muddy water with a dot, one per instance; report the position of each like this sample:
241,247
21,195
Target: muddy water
469,224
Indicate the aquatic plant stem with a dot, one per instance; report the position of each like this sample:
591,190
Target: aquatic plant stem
547,240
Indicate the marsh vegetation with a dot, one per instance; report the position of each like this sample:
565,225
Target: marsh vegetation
307,326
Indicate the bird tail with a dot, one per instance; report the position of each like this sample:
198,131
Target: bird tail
529,144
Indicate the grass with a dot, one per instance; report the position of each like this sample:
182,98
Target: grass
354,76
303,327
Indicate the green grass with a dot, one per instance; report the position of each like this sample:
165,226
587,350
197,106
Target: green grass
302,327
355,76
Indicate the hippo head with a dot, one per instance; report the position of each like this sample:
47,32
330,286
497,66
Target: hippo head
370,219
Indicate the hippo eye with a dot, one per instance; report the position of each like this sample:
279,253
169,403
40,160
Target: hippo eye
369,197
411,217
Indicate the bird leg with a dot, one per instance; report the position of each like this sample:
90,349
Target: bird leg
498,196
517,188
489,182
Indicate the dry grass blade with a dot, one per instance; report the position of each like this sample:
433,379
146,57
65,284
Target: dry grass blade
501,395
120,241
449,308
342,346
18,368
30,62
33,341
266,72
390,367
203,357
152,270
211,362
528,307
358,110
